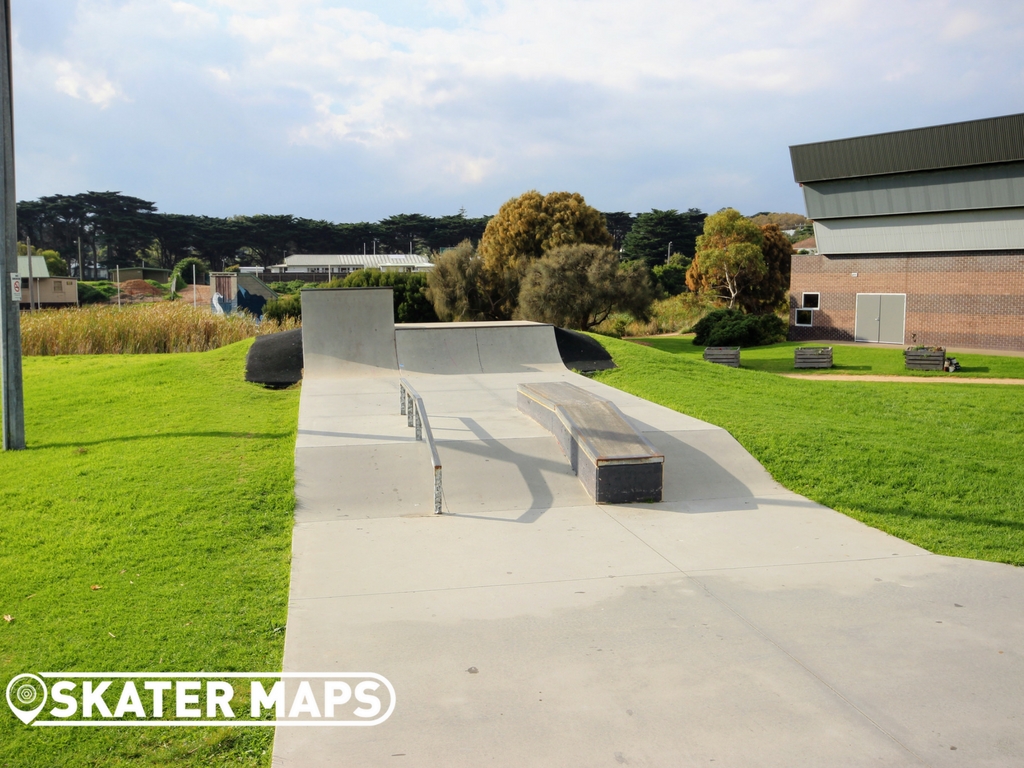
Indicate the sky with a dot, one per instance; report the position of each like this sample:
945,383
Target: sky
355,111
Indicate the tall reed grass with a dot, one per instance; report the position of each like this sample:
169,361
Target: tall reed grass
137,329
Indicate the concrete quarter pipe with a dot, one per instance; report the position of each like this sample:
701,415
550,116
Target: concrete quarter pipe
733,623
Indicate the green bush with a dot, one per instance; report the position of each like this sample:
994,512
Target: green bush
284,307
95,292
183,269
671,278
292,286
732,328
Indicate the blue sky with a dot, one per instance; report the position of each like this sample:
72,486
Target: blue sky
353,111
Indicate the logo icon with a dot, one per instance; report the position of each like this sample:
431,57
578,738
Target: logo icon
24,692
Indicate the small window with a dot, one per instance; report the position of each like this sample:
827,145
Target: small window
58,286
805,316
811,301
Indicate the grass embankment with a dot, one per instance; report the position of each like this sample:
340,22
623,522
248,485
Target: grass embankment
167,481
143,328
866,359
940,466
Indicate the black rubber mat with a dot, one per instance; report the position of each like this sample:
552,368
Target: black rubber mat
275,359
580,352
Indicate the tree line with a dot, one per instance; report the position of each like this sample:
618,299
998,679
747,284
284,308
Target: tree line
119,230
113,229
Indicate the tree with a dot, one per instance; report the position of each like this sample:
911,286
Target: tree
770,292
671,278
578,286
453,285
728,256
125,223
784,220
619,224
653,233
523,230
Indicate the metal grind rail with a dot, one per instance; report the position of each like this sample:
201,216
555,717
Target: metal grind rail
416,414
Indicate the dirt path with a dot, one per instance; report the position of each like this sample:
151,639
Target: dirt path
202,294
898,379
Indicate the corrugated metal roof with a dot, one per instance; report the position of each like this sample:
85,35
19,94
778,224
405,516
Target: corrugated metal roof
975,142
377,260
38,266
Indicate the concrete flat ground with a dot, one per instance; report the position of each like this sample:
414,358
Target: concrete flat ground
734,623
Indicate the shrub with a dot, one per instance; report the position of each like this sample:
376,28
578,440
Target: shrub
183,271
284,308
292,286
97,292
580,286
671,278
732,328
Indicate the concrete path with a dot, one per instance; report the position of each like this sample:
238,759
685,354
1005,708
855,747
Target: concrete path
733,624
951,379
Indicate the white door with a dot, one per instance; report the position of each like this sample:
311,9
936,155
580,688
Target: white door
881,317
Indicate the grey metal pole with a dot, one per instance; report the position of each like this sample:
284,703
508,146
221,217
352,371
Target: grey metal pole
10,321
31,277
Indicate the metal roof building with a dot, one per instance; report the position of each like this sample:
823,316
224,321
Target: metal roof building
933,217
342,263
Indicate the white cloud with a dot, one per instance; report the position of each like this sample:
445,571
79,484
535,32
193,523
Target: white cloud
78,83
963,24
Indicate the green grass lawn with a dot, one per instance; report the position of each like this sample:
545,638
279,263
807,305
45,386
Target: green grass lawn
167,481
849,359
941,466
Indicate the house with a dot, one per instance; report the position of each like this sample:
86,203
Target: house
920,237
43,290
310,266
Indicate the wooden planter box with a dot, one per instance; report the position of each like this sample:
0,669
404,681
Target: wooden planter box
723,356
812,357
924,359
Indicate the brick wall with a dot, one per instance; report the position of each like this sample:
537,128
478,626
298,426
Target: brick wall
962,299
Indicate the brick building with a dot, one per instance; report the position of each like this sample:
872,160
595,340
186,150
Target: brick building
920,237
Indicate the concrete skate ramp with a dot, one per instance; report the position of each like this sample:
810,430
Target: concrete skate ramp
461,348
348,332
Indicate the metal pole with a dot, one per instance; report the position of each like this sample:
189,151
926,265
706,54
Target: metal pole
31,303
193,286
81,271
117,279
10,321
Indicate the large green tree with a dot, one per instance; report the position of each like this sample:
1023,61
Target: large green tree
579,286
770,291
654,233
524,229
728,257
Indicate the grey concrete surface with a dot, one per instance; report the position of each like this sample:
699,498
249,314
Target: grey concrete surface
733,624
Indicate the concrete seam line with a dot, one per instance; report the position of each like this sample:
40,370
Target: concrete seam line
803,666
